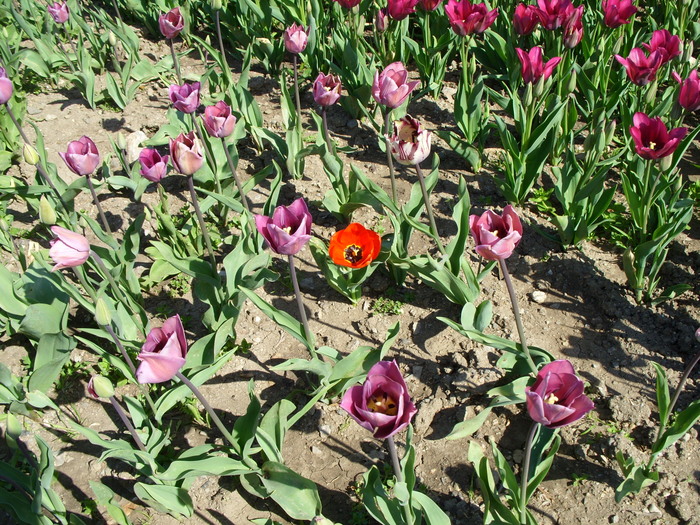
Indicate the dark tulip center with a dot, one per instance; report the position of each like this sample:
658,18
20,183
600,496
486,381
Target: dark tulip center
353,253
382,403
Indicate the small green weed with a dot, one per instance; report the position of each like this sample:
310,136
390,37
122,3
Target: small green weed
386,306
179,286
540,198
578,479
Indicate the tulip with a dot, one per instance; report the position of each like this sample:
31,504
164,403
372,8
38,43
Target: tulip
381,22
641,69
573,28
651,138
327,89
689,96
295,39
556,398
382,404
153,166
496,236
100,386
532,66
82,156
355,246
525,19
289,228
171,23
390,87
6,87
218,120
400,9
553,13
410,144
163,354
68,249
185,153
618,12
467,18
185,97
429,5
59,12
348,4
665,43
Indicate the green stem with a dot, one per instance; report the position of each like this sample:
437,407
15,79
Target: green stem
221,43
399,476
176,63
103,218
525,473
127,423
202,224
296,94
326,135
389,157
207,153
300,304
429,210
232,167
112,283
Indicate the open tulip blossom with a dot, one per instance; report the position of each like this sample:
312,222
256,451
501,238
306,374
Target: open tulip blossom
429,5
163,354
618,12
391,87
532,66
6,87
295,39
665,43
171,23
153,166
496,236
185,97
400,9
689,96
81,156
467,18
327,89
186,154
59,12
553,13
354,246
348,4
641,69
525,19
410,143
289,228
218,120
651,138
68,249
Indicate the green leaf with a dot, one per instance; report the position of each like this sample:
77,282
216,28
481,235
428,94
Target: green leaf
165,498
245,427
432,514
637,479
201,461
468,427
297,495
684,420
105,497
663,398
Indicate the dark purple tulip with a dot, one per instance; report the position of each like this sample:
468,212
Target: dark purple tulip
185,97
218,120
525,19
326,89
689,96
289,228
618,12
532,66
467,18
641,69
171,23
153,166
82,156
665,43
651,138
400,9
6,87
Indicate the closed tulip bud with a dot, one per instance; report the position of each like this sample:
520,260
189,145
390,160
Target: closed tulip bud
30,155
650,95
295,39
216,4
589,144
100,386
171,23
610,132
688,49
665,163
47,215
111,39
103,316
381,22
121,141
539,87
571,84
185,153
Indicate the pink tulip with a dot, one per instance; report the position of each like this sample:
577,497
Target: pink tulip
381,22
185,97
218,120
618,12
689,96
553,13
400,9
82,156
467,18
163,354
429,5
59,12
153,166
348,4
295,39
186,153
327,89
68,249
496,236
171,23
651,138
289,228
532,66
525,19
390,87
665,43
6,87
641,69
573,28
410,144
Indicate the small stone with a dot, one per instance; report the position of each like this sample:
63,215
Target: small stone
614,518
418,370
316,450
653,509
324,430
50,117
538,296
133,145
257,319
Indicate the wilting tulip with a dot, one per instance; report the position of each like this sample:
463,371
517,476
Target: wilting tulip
532,66
185,97
429,5
163,354
355,246
618,12
348,4
82,156
390,87
326,89
410,143
665,43
68,249
186,153
641,69
153,166
289,228
6,87
689,96
525,19
382,404
467,18
556,398
496,236
171,23
573,28
553,13
381,22
218,120
651,138
400,9
59,12
295,39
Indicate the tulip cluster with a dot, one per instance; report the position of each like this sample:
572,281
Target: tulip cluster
467,18
552,15
642,67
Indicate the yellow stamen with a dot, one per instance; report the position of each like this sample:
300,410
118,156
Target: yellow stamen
551,399
353,253
652,145
383,404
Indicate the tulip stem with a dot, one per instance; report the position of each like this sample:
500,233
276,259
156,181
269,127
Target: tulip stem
176,63
389,158
300,304
525,473
221,43
112,283
116,8
103,218
244,199
127,423
202,224
207,153
516,314
429,210
296,94
399,476
326,135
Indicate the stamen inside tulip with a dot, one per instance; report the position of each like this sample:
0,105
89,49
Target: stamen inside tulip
551,399
407,133
383,404
652,145
288,230
353,253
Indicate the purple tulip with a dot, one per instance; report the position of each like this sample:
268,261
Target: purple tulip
496,236
185,97
556,398
382,404
400,9
429,5
59,12
532,66
327,89
153,166
467,18
171,23
289,228
6,87
573,28
618,12
390,87
163,354
665,43
553,13
641,69
689,96
68,249
82,156
410,143
348,4
651,138
295,39
218,120
525,19
186,154
381,22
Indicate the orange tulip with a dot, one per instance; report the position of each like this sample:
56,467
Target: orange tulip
355,246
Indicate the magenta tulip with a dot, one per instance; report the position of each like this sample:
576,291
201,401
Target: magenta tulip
171,23
289,228
381,22
532,66
689,96
59,12
6,87
573,28
467,18
82,156
390,87
348,4
153,166
186,153
665,43
429,5
382,404
410,144
556,398
327,89
163,354
553,13
496,236
295,39
618,12
651,138
400,9
185,97
218,120
68,249
641,69
525,19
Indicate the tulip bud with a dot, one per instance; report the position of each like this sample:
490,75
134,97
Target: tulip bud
590,143
539,87
102,314
571,84
121,141
650,95
665,162
617,46
100,386
30,155
47,215
687,51
610,132
111,39
381,22
527,98
216,4
628,260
